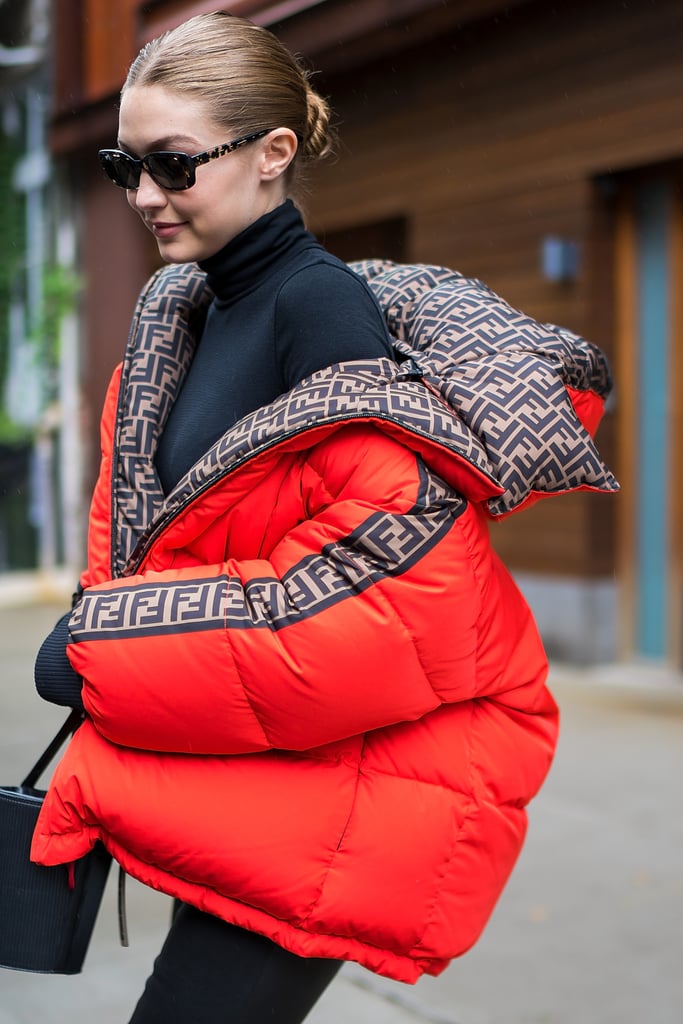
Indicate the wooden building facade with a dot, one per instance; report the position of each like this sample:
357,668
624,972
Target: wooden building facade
536,146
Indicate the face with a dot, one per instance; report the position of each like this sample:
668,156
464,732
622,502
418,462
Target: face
229,194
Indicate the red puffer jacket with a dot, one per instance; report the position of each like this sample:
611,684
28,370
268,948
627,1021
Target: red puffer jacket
316,699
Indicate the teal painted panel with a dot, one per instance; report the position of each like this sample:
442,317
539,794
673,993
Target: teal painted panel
652,239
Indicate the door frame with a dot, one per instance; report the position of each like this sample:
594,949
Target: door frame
627,349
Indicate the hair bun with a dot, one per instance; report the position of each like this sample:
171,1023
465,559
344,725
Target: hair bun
319,140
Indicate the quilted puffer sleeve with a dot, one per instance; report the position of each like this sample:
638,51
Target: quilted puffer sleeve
362,613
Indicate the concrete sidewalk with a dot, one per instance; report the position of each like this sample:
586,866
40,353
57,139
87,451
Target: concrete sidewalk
587,932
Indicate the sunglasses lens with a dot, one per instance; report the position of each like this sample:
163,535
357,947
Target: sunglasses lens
174,171
120,168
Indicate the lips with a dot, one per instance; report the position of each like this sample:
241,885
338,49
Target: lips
166,229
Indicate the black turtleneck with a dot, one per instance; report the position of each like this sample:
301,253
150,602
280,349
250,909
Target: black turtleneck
283,309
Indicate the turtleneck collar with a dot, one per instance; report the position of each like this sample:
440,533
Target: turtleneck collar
247,259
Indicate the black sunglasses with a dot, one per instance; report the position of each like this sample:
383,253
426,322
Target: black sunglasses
172,171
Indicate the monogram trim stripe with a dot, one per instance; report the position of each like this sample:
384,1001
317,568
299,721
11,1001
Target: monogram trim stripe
167,321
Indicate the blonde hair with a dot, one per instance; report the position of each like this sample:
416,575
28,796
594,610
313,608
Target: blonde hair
246,78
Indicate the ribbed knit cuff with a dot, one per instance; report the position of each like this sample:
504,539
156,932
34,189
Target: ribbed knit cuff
55,679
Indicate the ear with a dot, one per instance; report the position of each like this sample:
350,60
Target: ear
277,152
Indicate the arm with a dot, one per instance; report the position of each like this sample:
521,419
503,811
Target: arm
328,636
54,678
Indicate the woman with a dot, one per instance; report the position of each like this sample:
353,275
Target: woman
315,700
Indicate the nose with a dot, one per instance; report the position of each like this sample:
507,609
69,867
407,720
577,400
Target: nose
148,195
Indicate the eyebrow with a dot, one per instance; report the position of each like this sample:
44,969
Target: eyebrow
170,142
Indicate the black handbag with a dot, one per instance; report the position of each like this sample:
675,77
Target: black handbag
47,914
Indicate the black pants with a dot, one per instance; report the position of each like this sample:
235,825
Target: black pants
210,972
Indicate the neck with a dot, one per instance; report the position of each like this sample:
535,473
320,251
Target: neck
251,255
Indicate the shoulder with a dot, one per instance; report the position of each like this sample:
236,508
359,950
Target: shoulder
325,314
321,280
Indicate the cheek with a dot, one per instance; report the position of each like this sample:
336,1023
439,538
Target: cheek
130,199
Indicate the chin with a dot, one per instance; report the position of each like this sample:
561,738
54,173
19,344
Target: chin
176,254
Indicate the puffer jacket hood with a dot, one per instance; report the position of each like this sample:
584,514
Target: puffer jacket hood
530,394
316,699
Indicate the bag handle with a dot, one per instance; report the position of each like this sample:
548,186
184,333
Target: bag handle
72,723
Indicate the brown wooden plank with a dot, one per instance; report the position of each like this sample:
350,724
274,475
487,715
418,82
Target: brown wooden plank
67,68
109,45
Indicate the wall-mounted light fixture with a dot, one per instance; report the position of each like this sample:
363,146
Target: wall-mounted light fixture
559,258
